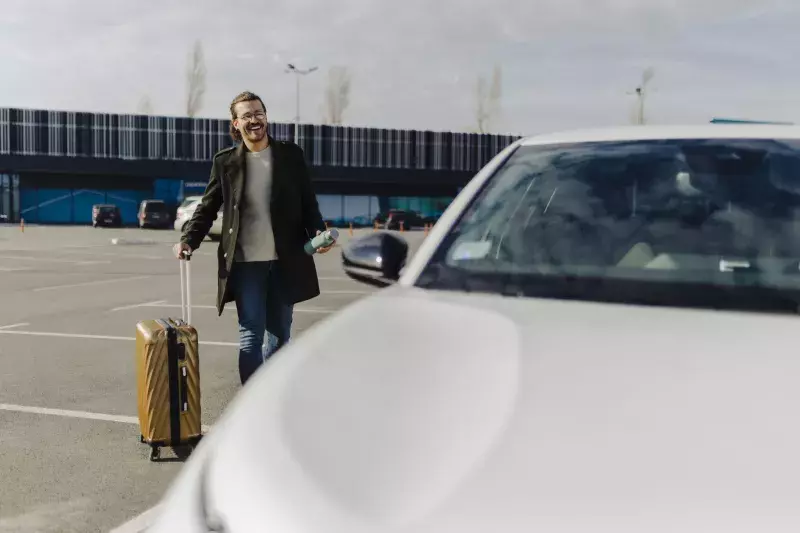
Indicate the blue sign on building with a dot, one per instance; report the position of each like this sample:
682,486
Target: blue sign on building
193,188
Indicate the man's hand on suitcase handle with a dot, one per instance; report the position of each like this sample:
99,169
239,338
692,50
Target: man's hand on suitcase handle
182,249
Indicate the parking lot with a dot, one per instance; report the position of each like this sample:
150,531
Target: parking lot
70,456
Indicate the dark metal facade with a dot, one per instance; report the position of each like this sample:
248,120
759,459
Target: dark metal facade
25,132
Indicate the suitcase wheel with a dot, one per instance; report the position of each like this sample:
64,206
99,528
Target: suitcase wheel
155,453
183,452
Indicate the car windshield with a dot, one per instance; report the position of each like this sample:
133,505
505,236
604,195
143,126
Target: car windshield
712,223
106,209
189,201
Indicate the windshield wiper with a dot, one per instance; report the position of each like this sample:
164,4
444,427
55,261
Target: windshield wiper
737,297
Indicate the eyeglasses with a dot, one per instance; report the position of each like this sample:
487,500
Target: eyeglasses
250,116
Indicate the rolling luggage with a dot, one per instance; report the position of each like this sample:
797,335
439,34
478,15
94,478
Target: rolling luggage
168,378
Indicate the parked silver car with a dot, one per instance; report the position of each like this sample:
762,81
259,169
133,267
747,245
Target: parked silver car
597,335
185,212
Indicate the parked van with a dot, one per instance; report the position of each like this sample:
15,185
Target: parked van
154,214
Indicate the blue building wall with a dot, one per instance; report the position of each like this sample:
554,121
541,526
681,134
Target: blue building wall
168,190
361,210
74,206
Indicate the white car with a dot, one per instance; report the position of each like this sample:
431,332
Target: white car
599,335
185,212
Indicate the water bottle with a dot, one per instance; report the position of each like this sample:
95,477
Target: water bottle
326,238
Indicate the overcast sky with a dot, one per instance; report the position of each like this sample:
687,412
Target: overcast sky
414,63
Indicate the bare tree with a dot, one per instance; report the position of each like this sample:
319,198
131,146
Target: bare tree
145,106
195,80
337,95
641,92
488,96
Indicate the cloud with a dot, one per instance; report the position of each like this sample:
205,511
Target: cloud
566,63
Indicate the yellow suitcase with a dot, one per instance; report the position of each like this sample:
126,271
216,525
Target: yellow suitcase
168,379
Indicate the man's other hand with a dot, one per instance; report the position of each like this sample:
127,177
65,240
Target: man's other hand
326,249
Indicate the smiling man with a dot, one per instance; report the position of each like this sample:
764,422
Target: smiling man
269,212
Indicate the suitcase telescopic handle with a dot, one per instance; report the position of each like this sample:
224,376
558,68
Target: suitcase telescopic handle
186,286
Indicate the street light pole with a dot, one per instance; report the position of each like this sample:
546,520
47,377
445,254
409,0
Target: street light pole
292,69
641,93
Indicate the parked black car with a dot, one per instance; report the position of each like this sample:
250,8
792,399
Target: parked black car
106,215
154,214
392,219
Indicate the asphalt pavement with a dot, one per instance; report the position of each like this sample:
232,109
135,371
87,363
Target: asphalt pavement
70,456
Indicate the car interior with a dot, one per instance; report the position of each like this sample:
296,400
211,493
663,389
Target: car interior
707,212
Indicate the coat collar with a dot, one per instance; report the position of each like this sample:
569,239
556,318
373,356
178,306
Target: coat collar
235,166
237,157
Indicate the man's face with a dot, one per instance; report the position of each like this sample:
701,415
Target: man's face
251,120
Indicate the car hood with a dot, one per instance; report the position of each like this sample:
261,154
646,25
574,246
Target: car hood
422,411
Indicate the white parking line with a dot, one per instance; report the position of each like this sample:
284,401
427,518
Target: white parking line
10,326
111,254
73,246
219,343
67,413
49,259
166,305
134,306
89,283
95,337
345,292
64,335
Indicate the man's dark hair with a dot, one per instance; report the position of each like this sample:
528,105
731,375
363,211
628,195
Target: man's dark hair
246,96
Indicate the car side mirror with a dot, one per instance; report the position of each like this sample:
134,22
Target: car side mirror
375,259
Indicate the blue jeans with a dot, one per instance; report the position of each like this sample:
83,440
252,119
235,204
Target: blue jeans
263,312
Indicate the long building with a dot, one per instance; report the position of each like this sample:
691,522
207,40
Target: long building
54,165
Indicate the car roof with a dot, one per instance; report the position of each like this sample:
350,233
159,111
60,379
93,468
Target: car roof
643,133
